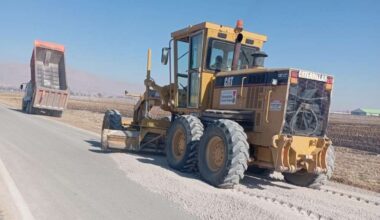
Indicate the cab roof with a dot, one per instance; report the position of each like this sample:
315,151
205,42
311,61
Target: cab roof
208,25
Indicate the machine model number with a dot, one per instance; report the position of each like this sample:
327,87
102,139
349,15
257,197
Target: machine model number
228,81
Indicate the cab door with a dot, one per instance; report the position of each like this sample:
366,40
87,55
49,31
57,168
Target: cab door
195,64
181,69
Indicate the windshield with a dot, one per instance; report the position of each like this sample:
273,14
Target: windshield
220,55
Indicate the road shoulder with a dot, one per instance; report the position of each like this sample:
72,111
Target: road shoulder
8,210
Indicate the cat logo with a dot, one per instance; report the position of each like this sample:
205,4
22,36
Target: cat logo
228,81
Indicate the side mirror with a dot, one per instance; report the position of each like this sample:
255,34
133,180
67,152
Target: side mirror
21,86
165,55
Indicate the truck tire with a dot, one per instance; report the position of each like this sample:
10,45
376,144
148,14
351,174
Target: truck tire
302,178
182,143
23,107
223,154
29,108
58,114
112,120
55,113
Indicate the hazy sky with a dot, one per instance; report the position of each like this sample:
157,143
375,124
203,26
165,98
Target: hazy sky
110,38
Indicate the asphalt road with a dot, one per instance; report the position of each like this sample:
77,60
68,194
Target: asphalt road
60,174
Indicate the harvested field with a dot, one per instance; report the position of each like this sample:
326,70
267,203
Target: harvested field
357,132
356,138
101,105
357,168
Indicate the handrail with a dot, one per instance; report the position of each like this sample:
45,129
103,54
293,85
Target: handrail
241,87
268,102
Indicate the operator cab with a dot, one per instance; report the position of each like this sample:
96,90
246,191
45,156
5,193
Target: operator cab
202,50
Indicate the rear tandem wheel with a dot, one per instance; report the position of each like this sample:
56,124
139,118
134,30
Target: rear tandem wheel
223,154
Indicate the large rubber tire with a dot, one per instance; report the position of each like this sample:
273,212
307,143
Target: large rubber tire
55,113
24,105
58,114
192,129
302,178
29,108
236,154
112,120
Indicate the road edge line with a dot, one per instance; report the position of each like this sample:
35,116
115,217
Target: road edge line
15,194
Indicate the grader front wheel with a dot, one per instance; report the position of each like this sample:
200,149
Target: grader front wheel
112,120
182,143
223,154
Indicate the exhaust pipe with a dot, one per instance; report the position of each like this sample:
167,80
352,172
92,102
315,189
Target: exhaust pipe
148,68
237,48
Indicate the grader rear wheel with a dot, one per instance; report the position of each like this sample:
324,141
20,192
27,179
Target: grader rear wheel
223,154
182,143
302,178
215,153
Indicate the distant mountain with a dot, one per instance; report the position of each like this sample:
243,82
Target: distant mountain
80,82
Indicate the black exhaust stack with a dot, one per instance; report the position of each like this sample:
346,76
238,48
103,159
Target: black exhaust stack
238,40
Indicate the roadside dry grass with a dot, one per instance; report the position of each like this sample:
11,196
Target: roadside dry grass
355,167
101,105
78,117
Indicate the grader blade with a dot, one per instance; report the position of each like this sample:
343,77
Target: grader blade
119,139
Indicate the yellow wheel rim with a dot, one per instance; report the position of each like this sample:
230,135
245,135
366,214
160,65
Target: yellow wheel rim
179,144
215,153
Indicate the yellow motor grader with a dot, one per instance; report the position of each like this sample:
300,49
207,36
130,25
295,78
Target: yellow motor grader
229,113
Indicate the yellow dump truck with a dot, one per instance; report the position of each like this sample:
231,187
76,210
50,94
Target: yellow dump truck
229,113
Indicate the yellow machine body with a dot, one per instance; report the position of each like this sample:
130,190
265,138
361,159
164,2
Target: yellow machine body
258,98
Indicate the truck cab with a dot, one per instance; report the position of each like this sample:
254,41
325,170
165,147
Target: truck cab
28,95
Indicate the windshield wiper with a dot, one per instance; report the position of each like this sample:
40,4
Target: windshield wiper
183,55
245,56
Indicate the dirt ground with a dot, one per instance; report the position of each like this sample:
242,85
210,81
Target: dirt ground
352,166
358,132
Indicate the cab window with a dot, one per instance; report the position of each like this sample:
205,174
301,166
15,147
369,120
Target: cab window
182,47
220,55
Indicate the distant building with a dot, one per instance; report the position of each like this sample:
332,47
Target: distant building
366,112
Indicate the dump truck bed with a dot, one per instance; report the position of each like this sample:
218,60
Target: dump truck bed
51,99
48,76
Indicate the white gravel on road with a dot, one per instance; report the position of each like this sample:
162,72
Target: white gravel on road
255,198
